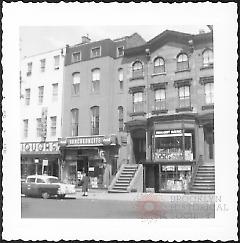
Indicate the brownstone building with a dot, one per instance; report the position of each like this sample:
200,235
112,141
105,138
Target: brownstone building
170,113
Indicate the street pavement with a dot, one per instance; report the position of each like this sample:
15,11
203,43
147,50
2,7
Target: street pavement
101,204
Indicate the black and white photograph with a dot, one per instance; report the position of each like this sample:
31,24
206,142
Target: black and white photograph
120,122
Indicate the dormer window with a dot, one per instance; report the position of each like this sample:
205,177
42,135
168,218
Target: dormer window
76,57
96,52
120,51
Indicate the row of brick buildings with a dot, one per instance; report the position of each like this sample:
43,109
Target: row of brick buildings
97,105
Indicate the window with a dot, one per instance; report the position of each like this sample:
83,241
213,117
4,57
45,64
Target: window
207,57
76,57
120,118
40,94
184,96
137,69
31,180
120,51
182,62
96,52
95,80
75,83
39,127
43,64
25,128
29,68
209,95
159,65
74,128
160,99
40,180
120,78
56,61
53,125
54,92
95,120
27,96
138,104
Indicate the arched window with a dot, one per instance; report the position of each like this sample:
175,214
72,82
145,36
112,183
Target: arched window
159,65
120,118
74,120
182,62
137,69
95,120
207,57
120,78
75,83
95,80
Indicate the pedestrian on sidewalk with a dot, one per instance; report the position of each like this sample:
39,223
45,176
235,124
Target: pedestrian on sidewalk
85,181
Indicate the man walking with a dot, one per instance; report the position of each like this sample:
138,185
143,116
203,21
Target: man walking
85,181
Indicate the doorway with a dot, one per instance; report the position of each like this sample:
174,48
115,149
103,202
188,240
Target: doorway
139,145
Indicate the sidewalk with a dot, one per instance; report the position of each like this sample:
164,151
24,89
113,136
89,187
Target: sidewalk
102,194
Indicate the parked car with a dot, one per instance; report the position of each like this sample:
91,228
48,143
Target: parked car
46,186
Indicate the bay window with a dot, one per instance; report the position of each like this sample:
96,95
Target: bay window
138,103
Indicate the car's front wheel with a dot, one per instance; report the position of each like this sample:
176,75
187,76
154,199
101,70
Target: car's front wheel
61,196
45,195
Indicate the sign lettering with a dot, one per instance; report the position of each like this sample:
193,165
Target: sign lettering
40,147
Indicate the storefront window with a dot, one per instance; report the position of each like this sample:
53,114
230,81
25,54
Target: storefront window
95,172
173,145
175,178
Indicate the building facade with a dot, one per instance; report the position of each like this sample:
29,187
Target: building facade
170,108
94,102
41,80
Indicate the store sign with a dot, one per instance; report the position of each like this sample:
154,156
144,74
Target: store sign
184,168
168,132
36,161
168,168
40,147
45,162
92,141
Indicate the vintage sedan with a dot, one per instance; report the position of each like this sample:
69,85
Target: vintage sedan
45,186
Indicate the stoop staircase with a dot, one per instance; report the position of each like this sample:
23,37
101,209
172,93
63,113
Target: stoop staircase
204,180
124,178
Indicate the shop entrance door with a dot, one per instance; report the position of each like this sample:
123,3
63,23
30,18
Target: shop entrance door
152,177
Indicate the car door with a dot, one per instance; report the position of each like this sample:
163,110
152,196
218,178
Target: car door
40,186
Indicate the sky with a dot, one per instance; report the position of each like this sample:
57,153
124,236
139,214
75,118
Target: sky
39,39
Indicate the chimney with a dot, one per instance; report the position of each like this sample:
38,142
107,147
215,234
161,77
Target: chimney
85,39
201,31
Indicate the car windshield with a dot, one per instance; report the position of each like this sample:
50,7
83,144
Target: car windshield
53,180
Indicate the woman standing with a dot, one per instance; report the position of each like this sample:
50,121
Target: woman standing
85,181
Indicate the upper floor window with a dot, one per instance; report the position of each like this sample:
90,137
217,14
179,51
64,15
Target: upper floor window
95,120
40,94
182,62
207,57
159,65
120,78
138,103
160,99
184,96
25,128
120,51
95,80
74,119
56,62
76,57
54,92
29,68
27,96
76,83
120,118
43,64
137,69
39,127
96,52
53,125
209,95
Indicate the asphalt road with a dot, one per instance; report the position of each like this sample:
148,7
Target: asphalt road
110,209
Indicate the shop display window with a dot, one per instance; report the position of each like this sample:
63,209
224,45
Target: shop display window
175,178
173,145
95,172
